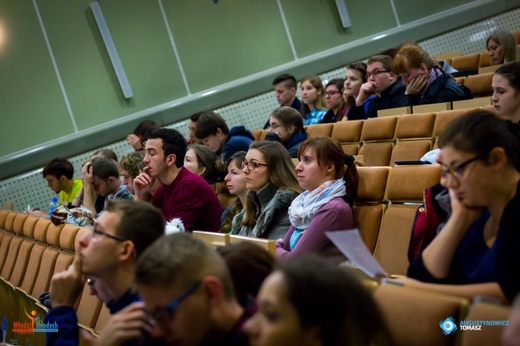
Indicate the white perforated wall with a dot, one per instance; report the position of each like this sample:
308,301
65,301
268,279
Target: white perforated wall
31,189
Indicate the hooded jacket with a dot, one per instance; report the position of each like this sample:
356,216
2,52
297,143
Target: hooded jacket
238,139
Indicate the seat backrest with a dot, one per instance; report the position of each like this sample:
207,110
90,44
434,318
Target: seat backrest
418,125
29,225
447,55
18,223
9,221
3,216
348,131
485,59
369,205
379,129
33,267
474,102
432,107
443,118
376,153
10,260
104,316
88,308
320,130
45,272
391,249
480,84
466,61
256,134
401,307
63,261
410,150
488,334
53,234
40,229
4,248
407,183
20,265
213,239
68,237
267,244
392,112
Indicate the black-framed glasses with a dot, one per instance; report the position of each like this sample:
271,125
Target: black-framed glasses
457,171
96,232
252,165
166,313
332,92
376,72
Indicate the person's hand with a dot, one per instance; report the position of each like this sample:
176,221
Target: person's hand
365,91
135,142
461,211
128,324
87,173
143,185
36,213
417,85
66,286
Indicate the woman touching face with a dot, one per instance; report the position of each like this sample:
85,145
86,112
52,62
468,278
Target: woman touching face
353,82
279,128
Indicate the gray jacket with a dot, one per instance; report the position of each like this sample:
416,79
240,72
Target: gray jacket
272,206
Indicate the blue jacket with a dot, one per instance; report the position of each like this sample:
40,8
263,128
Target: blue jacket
238,139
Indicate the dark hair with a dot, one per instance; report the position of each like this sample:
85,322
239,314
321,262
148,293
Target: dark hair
287,79
361,67
139,222
338,83
511,72
208,124
249,265
180,259
329,151
195,117
172,143
237,206
335,301
215,169
104,168
479,132
59,167
130,162
144,127
106,153
288,117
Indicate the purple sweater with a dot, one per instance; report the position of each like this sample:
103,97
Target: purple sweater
333,216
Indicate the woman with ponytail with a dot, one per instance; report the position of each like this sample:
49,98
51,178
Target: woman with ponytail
330,180
476,252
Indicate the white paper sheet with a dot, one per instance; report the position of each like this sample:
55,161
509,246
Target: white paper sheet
350,243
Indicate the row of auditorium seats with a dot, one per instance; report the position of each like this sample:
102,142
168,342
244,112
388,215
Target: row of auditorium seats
384,140
31,251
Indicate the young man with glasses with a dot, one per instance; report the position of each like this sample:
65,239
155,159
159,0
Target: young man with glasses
188,291
182,194
108,254
384,84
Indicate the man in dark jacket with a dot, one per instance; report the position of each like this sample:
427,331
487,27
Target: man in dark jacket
213,131
384,84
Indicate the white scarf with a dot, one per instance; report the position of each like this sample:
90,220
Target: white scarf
304,206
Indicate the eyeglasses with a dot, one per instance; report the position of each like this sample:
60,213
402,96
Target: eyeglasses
332,92
457,171
375,73
166,313
95,233
273,127
252,165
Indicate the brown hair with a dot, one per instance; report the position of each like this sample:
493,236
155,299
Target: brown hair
415,56
214,167
237,206
507,41
329,151
130,162
320,101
